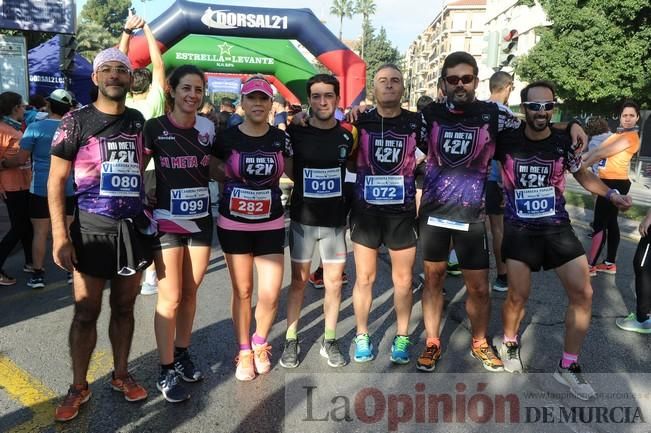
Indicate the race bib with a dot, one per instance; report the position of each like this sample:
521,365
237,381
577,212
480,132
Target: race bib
250,204
189,203
448,224
384,190
321,183
120,179
535,202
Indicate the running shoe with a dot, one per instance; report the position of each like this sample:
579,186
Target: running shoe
400,350
427,360
70,279
173,390
509,353
316,279
69,407
606,268
262,358
574,379
245,370
28,268
330,351
363,348
129,387
344,279
454,269
630,323
289,358
487,357
185,367
37,280
500,285
148,289
6,280
593,271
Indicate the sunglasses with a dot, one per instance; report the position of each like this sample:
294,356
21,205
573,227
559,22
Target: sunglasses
454,80
537,106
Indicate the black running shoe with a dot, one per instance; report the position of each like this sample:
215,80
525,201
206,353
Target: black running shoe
168,383
185,367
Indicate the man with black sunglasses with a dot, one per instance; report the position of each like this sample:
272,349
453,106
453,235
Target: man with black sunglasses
534,159
462,136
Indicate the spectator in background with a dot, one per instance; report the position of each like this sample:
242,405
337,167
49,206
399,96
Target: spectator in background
207,109
227,106
36,109
237,117
279,111
36,143
14,184
598,131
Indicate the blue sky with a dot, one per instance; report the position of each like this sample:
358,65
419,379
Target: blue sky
403,19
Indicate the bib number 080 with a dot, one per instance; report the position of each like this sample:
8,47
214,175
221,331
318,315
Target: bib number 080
124,181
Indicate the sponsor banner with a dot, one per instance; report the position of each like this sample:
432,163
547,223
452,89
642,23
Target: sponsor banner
467,402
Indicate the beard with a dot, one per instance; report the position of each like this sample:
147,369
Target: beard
115,92
535,121
461,96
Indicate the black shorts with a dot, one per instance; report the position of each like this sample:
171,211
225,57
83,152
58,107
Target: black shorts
396,232
38,208
471,246
97,253
259,243
548,249
173,240
494,199
420,175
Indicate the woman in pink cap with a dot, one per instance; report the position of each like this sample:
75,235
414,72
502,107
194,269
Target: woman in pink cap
251,222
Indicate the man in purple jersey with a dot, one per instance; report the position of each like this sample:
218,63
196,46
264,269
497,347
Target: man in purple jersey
538,233
102,144
462,136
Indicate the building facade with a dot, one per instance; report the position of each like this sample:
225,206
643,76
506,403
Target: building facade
459,26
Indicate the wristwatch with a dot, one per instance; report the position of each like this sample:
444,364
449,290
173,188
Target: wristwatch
127,31
610,193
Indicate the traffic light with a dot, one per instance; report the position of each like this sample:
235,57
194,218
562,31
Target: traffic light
509,47
67,48
491,48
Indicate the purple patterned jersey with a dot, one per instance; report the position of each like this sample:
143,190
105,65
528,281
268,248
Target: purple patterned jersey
461,144
385,161
533,173
106,152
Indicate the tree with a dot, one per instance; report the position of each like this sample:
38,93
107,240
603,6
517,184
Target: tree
110,14
93,38
597,52
378,52
366,8
342,9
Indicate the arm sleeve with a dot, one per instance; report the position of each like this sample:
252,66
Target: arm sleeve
288,149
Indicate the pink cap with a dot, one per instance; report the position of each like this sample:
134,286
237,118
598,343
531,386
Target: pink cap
257,85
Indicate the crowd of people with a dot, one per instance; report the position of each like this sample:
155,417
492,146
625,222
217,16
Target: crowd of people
127,177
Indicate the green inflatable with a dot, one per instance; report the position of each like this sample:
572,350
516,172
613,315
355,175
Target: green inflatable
244,56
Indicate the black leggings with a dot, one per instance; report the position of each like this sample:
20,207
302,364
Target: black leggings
605,223
642,266
21,226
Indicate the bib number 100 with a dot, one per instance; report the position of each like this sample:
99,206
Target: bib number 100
536,205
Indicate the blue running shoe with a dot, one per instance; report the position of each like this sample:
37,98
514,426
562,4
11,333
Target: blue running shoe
400,350
363,348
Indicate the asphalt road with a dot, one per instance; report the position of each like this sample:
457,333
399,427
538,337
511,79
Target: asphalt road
35,369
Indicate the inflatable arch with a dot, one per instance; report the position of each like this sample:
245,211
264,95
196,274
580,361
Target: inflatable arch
184,18
223,54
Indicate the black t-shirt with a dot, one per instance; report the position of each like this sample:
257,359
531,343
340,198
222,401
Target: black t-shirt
319,165
107,159
385,162
182,159
253,168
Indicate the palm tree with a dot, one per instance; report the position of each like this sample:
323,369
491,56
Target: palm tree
342,9
366,8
